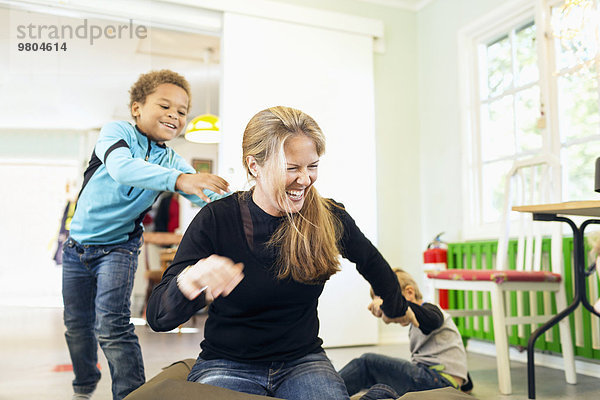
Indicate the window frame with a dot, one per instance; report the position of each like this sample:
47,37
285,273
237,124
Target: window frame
483,31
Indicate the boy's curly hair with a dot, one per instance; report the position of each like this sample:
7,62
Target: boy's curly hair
148,82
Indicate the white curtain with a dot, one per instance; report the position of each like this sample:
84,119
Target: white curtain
329,75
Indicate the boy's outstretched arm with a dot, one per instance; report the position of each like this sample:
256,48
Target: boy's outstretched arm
196,183
113,148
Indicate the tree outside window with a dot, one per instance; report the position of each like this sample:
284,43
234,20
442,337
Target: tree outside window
514,74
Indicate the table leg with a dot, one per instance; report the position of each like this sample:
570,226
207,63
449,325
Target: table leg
584,300
578,251
531,344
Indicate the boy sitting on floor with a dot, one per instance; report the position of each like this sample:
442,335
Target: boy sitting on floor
438,357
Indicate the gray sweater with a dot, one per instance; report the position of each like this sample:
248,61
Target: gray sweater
442,346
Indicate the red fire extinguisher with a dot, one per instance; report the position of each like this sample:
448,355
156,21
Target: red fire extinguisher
435,258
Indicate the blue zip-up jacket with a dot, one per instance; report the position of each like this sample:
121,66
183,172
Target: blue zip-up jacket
126,173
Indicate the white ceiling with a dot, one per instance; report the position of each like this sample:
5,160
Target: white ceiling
414,5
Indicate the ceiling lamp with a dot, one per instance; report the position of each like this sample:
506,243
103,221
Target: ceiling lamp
205,128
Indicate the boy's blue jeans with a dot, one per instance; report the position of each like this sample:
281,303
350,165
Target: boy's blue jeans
97,286
401,375
311,377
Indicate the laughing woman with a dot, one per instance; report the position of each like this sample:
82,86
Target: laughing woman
262,257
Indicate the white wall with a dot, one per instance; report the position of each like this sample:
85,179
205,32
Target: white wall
440,130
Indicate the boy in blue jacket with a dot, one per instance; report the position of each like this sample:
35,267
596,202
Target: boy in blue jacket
129,167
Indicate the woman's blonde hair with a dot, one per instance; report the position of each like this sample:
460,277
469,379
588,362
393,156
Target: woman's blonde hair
307,241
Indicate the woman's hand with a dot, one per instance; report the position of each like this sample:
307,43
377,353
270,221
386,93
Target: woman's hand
408,318
196,183
215,274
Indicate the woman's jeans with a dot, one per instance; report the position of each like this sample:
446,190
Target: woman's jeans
97,285
401,375
311,377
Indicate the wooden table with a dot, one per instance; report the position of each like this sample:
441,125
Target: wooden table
162,238
153,276
556,212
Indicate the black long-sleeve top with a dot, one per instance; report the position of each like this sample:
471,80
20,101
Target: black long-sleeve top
429,316
263,318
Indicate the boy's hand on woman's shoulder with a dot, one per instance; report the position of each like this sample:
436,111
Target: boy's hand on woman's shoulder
196,183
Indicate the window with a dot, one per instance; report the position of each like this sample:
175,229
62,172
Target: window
576,73
530,93
509,108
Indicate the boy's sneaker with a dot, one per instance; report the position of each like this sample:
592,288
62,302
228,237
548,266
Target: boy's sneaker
81,396
467,387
